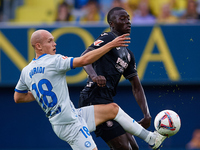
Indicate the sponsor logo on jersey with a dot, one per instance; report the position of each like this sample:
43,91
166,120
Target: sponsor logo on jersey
96,43
121,65
87,144
64,57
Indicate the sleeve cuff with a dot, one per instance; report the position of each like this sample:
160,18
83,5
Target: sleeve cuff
19,91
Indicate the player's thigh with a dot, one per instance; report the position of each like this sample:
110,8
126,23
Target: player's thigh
87,114
104,112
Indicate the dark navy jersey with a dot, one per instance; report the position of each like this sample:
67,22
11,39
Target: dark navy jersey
117,62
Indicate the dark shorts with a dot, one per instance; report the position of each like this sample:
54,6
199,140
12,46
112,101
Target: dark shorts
109,130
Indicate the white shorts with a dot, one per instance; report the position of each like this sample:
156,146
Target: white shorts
78,134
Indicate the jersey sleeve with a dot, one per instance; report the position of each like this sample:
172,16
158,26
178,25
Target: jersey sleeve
103,39
21,86
131,70
64,63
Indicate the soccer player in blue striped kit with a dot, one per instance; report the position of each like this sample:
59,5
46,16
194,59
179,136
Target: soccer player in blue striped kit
44,80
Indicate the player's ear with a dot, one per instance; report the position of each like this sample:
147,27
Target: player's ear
38,46
110,23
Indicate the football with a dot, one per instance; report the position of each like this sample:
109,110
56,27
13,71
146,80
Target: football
167,123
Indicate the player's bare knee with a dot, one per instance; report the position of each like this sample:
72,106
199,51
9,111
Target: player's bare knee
115,108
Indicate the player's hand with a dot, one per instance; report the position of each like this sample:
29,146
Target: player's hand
121,40
145,122
100,80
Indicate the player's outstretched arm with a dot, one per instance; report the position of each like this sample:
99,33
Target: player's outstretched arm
94,55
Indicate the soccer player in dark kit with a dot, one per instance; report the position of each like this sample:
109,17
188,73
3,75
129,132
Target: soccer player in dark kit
104,76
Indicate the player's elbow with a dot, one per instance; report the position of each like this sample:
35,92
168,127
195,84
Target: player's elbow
16,98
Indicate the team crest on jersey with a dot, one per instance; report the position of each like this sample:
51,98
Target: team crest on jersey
64,57
96,43
87,144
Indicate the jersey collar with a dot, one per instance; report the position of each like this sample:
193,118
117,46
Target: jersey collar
116,33
40,56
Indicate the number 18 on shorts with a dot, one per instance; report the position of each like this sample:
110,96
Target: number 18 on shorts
84,140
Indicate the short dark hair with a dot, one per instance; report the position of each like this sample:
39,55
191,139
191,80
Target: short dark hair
111,12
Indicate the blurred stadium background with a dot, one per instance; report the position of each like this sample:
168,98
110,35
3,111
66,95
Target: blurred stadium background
166,51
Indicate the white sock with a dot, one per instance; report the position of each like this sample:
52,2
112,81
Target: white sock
150,139
131,126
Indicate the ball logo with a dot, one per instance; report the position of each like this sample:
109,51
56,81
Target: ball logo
171,126
87,144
